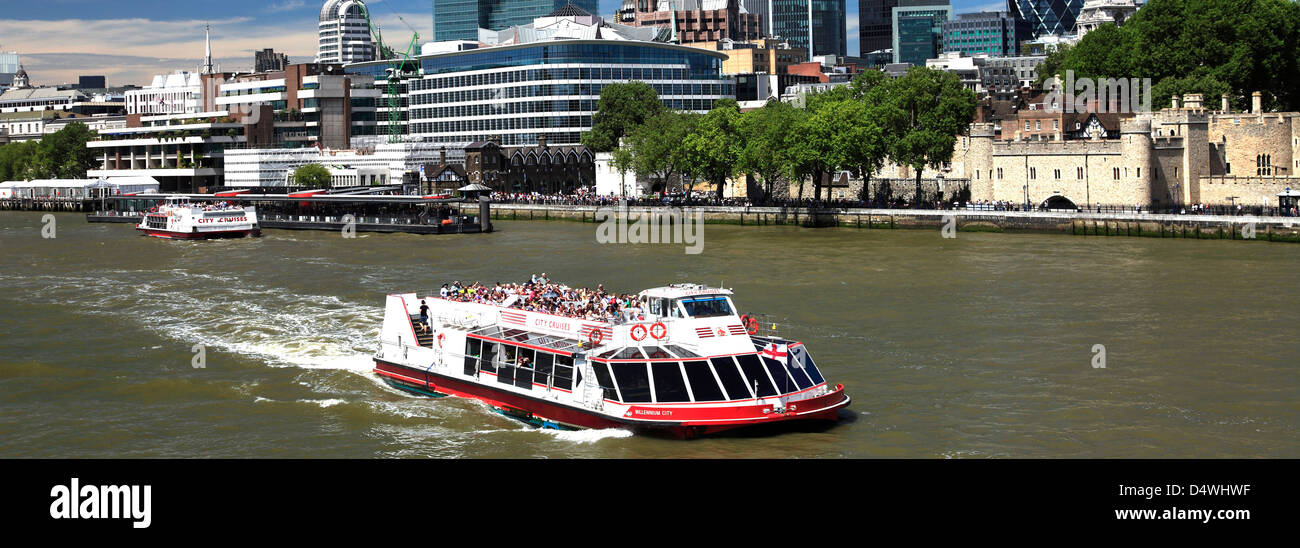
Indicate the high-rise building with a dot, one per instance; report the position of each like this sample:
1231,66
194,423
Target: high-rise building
918,32
817,26
993,33
344,33
695,20
875,25
829,28
461,19
268,60
1048,17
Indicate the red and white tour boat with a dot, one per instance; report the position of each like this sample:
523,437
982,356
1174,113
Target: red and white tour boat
178,217
681,362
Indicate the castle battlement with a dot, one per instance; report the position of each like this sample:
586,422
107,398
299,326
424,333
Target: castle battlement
1049,148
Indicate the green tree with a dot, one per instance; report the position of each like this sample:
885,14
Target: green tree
712,148
1198,46
311,175
930,109
620,110
656,145
765,143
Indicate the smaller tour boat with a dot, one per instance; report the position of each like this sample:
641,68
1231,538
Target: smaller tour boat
177,217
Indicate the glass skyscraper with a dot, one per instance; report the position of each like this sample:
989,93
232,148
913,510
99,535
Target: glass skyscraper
992,33
1047,16
461,19
918,32
818,26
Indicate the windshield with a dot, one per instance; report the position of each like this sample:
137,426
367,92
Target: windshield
706,307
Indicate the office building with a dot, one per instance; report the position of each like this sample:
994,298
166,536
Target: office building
461,19
695,20
918,32
992,33
1048,17
543,80
344,33
268,60
817,26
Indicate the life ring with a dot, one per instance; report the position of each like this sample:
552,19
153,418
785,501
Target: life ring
638,332
441,336
153,210
658,330
595,337
750,323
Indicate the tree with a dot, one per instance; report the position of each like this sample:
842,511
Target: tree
656,145
765,142
311,175
1197,46
712,149
930,109
621,109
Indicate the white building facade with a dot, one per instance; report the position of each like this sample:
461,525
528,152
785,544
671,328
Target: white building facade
344,33
385,164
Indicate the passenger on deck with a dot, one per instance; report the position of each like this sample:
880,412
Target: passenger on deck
424,311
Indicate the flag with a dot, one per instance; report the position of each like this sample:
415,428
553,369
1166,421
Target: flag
778,352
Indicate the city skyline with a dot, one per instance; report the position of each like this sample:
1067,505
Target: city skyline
130,42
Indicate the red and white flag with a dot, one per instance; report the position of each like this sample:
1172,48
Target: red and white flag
778,352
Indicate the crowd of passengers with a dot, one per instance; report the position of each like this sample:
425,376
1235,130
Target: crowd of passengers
539,294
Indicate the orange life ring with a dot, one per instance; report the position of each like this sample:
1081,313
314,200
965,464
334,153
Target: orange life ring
441,336
635,329
153,210
658,330
595,337
750,323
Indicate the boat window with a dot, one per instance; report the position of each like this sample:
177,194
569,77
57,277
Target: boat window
633,381
731,379
505,364
680,352
800,380
488,361
803,358
629,353
542,369
669,386
707,307
604,380
524,368
656,353
608,355
703,385
756,375
472,349
563,372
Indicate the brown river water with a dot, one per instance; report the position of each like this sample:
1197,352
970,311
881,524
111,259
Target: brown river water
979,346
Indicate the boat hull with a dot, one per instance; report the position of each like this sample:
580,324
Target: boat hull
824,408
243,233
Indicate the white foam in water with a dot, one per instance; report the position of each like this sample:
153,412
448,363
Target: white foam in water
324,403
588,436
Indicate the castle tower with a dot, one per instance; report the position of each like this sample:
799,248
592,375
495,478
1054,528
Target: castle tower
979,162
1140,184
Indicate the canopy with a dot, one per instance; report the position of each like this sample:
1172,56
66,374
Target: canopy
474,188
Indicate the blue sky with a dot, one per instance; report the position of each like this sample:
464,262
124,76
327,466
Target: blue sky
130,40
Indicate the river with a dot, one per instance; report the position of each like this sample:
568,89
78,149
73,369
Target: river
983,345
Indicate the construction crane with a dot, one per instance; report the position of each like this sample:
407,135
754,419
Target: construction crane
400,66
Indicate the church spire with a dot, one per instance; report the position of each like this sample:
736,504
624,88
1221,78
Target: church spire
207,50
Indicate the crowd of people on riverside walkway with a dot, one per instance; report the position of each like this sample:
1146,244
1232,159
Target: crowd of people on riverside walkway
710,199
540,294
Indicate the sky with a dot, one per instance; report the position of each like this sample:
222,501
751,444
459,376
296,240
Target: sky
129,41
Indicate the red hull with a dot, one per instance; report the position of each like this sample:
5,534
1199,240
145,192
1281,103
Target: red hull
200,235
821,408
